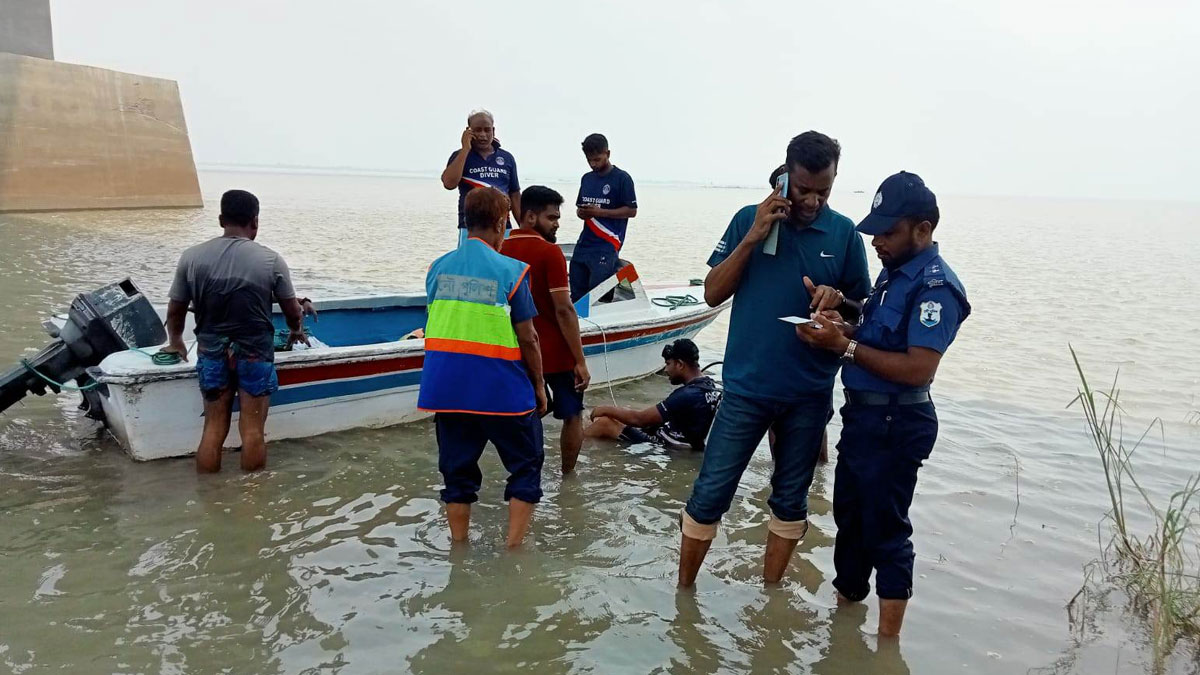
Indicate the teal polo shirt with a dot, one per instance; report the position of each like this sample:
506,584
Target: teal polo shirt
763,357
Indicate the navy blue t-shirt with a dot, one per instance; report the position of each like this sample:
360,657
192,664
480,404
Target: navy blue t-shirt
498,170
689,411
611,190
763,357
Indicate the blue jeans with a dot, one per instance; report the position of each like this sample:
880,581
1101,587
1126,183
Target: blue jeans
218,371
589,267
739,427
878,456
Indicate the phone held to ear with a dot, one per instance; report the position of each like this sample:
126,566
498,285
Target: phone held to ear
771,244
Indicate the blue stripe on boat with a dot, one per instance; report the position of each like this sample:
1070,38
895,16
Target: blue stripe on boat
316,391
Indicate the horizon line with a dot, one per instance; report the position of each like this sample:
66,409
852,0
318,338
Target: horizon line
330,170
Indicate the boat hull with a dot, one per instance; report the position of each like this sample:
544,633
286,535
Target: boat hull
160,415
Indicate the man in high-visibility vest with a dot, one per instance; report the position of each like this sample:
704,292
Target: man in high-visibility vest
483,369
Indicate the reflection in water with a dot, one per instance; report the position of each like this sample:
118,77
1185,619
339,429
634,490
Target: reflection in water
848,651
483,615
337,558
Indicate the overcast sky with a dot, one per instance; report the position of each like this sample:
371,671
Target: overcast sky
1040,97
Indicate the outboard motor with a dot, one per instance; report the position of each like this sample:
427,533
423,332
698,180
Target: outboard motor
110,319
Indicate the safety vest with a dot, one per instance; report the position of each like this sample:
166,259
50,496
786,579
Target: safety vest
472,360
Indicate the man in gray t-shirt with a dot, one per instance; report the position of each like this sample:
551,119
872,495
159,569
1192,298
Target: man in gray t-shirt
230,283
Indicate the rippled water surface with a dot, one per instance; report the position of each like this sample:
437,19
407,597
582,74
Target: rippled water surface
336,558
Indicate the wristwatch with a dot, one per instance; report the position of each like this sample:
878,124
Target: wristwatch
848,356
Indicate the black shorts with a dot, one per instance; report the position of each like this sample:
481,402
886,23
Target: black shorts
662,435
566,403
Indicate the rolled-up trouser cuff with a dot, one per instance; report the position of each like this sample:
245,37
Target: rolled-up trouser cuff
454,496
853,595
788,529
894,593
695,530
529,496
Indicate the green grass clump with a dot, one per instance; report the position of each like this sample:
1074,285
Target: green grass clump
1159,570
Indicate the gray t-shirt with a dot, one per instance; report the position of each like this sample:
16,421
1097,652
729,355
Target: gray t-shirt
230,282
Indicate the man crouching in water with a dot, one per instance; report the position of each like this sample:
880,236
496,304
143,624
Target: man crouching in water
679,422
231,280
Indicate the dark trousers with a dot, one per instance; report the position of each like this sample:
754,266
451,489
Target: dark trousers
588,268
518,439
880,451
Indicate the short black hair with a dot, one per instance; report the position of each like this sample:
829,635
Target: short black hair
814,151
776,174
593,144
238,207
536,198
683,350
932,215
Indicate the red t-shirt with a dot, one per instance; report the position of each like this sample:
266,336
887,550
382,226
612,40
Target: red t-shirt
547,272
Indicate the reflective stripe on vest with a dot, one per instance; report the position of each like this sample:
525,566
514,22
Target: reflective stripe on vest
471,328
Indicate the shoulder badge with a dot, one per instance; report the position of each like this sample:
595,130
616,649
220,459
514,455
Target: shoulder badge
931,313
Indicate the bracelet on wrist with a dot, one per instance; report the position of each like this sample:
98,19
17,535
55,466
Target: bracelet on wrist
848,355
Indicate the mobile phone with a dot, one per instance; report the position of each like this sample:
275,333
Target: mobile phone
772,243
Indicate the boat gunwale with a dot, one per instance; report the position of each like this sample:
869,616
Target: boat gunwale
394,349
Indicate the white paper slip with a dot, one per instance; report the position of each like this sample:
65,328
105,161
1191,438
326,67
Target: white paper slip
799,320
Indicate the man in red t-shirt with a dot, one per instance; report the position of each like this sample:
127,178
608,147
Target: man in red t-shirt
557,325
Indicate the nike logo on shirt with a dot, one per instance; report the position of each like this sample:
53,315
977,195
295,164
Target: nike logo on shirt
826,255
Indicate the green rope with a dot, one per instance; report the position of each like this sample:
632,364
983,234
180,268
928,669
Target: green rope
161,358
60,385
282,335
674,302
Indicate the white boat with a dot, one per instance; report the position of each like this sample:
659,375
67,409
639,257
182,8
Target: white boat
366,375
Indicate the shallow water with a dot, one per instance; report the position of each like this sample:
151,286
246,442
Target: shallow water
336,559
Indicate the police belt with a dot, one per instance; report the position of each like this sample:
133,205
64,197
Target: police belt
879,398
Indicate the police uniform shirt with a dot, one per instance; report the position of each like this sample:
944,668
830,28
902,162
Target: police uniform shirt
919,304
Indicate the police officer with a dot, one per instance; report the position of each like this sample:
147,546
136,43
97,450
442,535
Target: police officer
889,423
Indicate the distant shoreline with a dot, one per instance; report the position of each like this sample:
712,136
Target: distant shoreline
302,170
289,169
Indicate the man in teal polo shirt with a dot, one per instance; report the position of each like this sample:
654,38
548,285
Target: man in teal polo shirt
772,380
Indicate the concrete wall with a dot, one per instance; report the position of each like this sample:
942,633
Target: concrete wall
76,137
25,28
